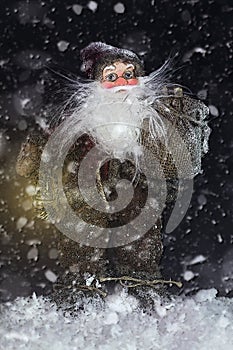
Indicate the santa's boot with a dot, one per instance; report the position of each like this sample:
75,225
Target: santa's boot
137,266
81,281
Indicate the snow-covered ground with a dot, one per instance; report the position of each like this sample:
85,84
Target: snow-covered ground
200,322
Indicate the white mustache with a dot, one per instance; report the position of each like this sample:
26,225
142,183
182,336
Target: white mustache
122,88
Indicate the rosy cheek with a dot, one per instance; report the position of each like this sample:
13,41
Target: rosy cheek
133,82
107,85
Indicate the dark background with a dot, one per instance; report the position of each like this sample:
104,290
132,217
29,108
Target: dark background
36,34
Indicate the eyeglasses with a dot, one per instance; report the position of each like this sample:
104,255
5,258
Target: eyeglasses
127,75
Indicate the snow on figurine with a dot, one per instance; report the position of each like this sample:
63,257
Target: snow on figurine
125,145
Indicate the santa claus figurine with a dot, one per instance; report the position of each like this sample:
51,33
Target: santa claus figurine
150,135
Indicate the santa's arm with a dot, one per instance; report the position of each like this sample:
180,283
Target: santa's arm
28,160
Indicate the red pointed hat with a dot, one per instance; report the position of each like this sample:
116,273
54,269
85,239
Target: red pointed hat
97,55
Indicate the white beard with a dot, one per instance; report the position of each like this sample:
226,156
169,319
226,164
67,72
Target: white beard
114,117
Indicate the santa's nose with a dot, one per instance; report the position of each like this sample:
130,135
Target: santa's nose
121,82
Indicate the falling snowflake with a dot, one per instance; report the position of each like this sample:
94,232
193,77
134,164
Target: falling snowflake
63,45
92,5
119,7
77,9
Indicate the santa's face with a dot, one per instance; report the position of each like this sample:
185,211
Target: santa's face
119,74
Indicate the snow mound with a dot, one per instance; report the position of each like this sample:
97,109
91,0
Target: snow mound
199,322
